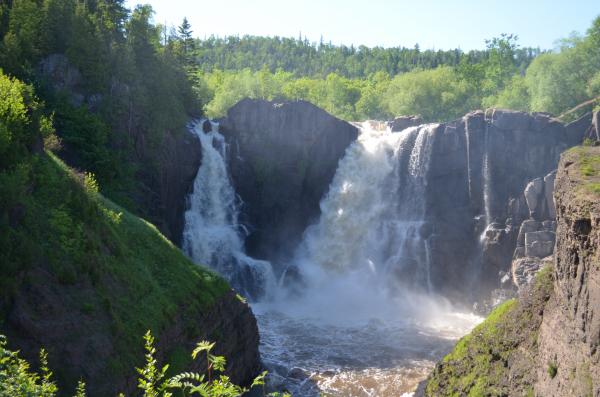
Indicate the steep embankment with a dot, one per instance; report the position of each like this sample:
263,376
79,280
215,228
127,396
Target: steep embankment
145,159
85,279
282,158
546,342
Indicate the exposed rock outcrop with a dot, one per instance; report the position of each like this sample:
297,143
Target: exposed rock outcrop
403,122
497,164
282,158
180,158
520,151
545,343
536,238
569,336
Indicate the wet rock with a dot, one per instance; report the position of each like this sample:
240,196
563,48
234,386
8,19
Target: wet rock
206,126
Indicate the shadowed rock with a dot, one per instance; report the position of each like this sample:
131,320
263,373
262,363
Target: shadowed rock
282,158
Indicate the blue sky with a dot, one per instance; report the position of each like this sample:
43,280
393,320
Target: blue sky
431,23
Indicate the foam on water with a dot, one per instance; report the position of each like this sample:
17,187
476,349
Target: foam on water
360,317
354,327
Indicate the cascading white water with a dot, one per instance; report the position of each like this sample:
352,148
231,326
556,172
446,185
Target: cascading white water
372,219
364,321
486,184
211,233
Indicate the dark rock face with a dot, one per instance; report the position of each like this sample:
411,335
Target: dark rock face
547,343
282,158
570,333
521,150
234,326
180,158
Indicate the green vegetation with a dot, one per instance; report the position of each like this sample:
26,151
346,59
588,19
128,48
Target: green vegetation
17,380
588,160
114,88
477,365
361,83
552,370
305,59
57,233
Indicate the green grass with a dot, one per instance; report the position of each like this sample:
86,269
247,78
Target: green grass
105,262
478,364
589,166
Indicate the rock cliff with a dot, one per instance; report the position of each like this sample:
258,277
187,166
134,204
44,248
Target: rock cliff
488,205
495,164
546,342
282,158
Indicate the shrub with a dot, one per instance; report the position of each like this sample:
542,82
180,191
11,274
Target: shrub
552,370
17,380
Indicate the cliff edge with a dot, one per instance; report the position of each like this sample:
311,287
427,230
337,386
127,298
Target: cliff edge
544,343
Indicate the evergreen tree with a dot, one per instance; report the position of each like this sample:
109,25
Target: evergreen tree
185,35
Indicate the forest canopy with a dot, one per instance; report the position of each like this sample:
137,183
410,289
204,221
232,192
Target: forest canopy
372,83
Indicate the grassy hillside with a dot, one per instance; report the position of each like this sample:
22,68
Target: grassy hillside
70,256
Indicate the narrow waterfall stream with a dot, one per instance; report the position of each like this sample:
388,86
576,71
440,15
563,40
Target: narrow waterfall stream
361,317
212,235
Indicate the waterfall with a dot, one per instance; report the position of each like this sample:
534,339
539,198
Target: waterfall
373,217
486,185
212,235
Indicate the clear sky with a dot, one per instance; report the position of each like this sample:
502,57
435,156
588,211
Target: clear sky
439,24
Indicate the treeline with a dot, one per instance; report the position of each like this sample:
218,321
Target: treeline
112,87
376,83
306,59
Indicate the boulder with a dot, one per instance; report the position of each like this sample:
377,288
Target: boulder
539,244
533,192
403,122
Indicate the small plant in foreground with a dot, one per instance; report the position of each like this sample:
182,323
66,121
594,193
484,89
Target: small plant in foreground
552,370
16,380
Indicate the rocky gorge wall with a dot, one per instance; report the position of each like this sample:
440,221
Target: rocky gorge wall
496,164
481,167
545,343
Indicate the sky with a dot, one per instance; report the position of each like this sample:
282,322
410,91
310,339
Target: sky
436,24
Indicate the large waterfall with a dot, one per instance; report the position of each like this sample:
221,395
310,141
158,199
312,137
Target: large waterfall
372,219
212,235
363,321
356,316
